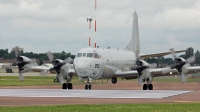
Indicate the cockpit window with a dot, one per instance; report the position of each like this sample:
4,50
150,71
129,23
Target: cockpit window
79,55
96,55
90,55
84,54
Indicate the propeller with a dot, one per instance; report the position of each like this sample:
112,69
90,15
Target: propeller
179,63
57,64
21,63
139,67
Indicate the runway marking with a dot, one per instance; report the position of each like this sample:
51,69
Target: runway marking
90,93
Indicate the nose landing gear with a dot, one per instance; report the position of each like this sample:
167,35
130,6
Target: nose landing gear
88,85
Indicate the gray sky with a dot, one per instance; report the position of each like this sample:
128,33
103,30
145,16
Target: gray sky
60,25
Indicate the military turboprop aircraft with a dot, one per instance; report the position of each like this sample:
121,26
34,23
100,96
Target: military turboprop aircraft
102,63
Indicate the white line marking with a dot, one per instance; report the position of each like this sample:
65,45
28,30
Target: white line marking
90,93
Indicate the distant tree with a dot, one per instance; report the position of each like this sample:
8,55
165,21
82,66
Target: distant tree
152,60
3,52
197,57
5,56
189,52
40,61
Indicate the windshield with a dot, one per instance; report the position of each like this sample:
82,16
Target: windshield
90,55
84,54
96,55
79,55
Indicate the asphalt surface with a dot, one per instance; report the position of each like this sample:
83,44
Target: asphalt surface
120,93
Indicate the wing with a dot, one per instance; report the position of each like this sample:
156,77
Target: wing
159,54
40,68
5,64
193,68
133,74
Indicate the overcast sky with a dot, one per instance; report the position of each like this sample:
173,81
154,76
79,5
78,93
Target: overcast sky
60,25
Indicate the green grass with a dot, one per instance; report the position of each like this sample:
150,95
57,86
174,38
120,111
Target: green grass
28,81
181,107
35,81
48,80
175,80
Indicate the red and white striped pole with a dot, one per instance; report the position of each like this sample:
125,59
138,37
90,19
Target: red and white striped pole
90,20
95,28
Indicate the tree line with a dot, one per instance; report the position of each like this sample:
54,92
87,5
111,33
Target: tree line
169,61
41,57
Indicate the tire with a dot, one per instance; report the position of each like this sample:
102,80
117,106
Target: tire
90,87
150,86
70,86
114,80
54,80
64,86
145,87
86,87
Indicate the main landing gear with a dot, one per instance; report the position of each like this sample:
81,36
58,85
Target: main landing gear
114,80
67,86
148,85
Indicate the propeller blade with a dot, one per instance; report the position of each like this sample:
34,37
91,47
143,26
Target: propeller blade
173,53
50,56
183,78
190,59
140,82
61,79
21,77
44,72
68,60
17,51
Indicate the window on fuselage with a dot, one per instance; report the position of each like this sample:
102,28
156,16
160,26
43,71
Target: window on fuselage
90,55
84,54
96,55
79,55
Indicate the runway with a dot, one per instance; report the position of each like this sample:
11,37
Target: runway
157,94
124,92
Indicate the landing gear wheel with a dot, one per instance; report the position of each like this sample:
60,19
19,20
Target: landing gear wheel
150,86
69,86
114,80
88,87
145,87
64,86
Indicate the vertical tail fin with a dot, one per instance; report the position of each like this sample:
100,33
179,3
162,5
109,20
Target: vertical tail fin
134,44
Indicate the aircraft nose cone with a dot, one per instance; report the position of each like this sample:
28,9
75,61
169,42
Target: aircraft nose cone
80,69
80,66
